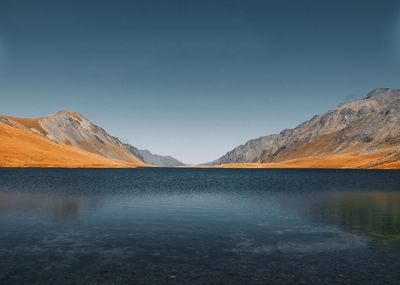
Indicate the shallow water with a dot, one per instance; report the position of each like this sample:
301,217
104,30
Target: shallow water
199,226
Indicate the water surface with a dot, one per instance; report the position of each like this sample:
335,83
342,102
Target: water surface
199,226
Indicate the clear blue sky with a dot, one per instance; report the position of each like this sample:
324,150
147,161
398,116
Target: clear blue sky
194,79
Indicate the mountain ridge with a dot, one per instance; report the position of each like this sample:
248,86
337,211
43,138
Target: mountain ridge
159,160
362,133
21,147
363,126
73,129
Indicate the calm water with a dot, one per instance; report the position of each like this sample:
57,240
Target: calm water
188,226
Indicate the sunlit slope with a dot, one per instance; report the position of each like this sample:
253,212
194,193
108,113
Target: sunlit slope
363,133
70,128
378,160
20,147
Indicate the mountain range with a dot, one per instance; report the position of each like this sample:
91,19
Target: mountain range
363,133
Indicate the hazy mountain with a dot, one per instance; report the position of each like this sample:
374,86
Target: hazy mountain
362,127
159,160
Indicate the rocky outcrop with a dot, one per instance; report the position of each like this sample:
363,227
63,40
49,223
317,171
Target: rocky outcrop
5,121
368,125
159,160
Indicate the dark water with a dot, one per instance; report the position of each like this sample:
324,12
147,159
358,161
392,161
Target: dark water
183,226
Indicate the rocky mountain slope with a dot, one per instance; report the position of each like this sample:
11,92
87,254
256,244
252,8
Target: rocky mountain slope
359,128
69,128
159,160
72,129
22,147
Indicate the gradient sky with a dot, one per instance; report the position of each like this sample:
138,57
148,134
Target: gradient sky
194,79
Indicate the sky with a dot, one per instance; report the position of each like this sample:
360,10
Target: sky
193,79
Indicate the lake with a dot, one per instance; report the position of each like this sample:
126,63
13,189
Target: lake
199,226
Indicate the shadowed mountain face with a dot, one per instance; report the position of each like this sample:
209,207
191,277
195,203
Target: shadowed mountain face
366,126
159,160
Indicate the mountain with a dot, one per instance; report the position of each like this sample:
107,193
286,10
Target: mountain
73,140
159,160
363,134
70,128
22,146
360,134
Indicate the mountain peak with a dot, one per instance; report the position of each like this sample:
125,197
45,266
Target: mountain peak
382,92
67,113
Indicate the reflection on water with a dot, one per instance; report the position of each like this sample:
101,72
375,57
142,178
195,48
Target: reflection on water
55,207
168,226
375,213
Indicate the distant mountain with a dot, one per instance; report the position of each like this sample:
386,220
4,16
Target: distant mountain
364,133
74,130
159,160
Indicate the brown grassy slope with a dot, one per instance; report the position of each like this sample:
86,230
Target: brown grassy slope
92,139
20,147
377,160
29,123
